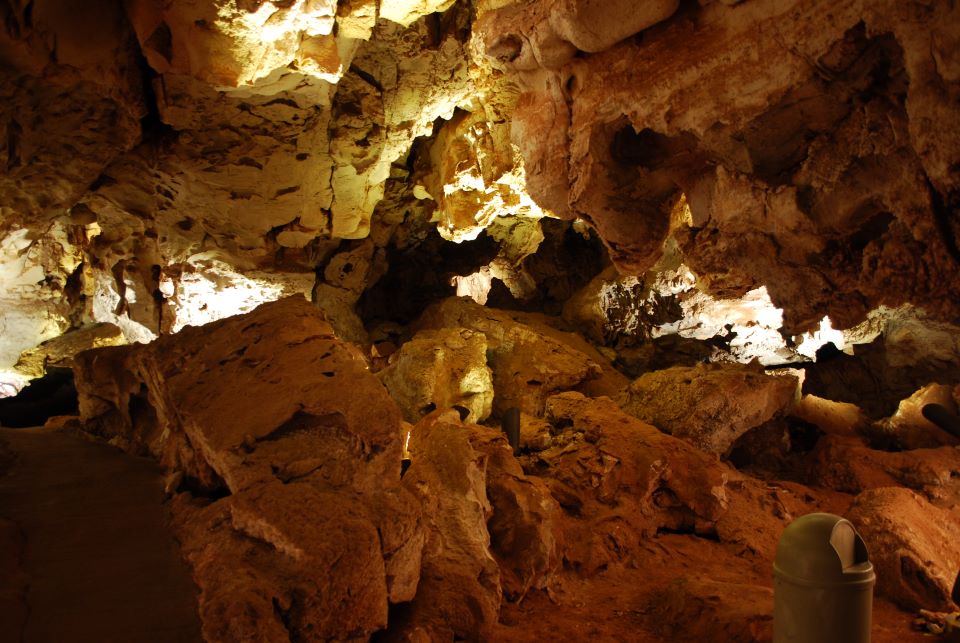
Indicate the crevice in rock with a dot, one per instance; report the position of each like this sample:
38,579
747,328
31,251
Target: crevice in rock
948,220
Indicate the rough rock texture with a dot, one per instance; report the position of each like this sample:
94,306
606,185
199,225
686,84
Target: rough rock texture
908,429
625,479
709,405
525,528
146,398
72,103
263,560
35,270
820,173
842,459
306,442
530,360
906,353
59,351
913,545
459,592
760,173
438,370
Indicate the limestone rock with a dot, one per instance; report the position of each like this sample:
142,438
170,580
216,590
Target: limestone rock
535,433
235,45
843,460
440,369
459,592
406,11
59,351
709,405
307,443
774,160
577,21
72,100
476,177
298,409
529,359
262,559
621,480
887,370
525,528
908,429
913,546
34,269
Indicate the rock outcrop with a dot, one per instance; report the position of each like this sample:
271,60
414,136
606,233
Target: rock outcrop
459,592
762,153
530,360
709,405
305,442
764,177
913,545
440,369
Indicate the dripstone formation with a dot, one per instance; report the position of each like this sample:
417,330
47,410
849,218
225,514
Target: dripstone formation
308,254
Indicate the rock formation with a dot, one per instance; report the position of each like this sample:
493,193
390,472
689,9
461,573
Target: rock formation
709,250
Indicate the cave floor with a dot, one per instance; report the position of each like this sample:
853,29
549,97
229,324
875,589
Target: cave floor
86,555
86,552
684,588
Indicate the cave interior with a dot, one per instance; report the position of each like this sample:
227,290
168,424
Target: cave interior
481,320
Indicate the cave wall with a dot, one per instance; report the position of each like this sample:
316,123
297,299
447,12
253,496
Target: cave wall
159,154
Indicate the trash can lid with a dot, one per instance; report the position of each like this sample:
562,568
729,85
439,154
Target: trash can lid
822,548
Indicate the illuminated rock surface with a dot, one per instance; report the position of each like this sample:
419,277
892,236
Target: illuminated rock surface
439,370
712,405
627,193
530,360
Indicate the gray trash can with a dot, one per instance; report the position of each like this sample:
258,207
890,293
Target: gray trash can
823,583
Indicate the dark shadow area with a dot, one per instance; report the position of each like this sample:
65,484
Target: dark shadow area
47,396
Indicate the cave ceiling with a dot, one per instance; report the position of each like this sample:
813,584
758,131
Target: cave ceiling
160,155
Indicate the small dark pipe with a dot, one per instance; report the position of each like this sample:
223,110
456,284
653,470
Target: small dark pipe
462,410
404,465
939,415
511,426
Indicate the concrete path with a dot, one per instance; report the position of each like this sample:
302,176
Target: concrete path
87,535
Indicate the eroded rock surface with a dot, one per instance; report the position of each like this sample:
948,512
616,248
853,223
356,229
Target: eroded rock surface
440,369
306,443
913,545
530,360
459,592
774,159
709,405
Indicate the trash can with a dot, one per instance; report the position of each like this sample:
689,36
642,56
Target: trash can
823,583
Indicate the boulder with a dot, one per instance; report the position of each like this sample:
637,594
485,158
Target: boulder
909,429
619,480
263,559
295,392
59,351
525,528
439,369
530,360
315,536
913,545
459,591
709,405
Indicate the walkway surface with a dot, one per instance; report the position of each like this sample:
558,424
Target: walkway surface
87,537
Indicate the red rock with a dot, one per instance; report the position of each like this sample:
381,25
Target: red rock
709,405
317,535
525,527
913,545
459,592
